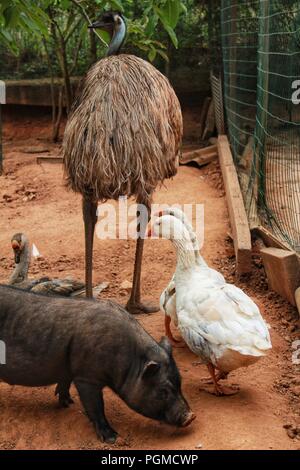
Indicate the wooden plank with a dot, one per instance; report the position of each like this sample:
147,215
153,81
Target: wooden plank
238,217
44,159
203,115
283,271
210,122
268,238
297,299
200,156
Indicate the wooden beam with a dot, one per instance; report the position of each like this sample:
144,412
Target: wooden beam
283,271
200,156
44,159
238,217
203,115
297,299
268,238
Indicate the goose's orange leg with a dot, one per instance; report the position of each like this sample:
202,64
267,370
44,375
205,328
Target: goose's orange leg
220,390
168,331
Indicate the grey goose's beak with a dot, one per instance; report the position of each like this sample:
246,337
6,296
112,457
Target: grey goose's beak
17,256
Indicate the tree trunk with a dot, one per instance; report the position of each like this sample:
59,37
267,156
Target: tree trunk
65,73
93,47
56,124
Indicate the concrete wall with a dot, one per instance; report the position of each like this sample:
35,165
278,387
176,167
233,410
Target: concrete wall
37,92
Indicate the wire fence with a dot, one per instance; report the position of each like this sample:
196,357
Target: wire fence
261,65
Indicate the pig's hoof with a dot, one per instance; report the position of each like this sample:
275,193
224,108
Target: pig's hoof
107,435
64,402
135,308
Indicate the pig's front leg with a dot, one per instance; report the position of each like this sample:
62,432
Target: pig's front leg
92,399
62,390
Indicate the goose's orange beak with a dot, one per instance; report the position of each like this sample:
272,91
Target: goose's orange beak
15,245
159,214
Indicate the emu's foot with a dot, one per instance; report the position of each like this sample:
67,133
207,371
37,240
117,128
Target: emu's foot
136,308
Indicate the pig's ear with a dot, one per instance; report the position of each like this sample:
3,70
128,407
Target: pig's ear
150,369
165,344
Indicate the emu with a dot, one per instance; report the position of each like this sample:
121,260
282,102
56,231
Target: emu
122,138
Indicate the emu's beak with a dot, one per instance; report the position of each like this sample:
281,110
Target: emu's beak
98,24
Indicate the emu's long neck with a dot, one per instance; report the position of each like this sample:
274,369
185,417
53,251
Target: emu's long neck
117,39
20,272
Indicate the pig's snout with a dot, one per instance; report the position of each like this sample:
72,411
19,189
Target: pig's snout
188,419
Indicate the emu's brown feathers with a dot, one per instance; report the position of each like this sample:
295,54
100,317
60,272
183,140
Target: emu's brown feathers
124,132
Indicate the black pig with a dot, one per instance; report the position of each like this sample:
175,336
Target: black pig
53,340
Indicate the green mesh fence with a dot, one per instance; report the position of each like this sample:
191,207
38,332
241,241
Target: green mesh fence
261,61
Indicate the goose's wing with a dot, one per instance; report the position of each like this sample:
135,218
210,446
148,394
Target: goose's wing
226,318
64,287
194,334
30,284
167,296
81,292
244,303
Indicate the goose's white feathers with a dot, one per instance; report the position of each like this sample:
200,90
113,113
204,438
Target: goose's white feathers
168,300
214,316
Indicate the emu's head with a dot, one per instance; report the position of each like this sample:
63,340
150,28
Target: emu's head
114,23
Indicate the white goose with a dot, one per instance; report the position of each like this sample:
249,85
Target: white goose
168,296
218,321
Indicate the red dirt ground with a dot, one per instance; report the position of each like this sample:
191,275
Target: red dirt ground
33,200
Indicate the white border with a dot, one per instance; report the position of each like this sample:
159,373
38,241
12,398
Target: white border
2,92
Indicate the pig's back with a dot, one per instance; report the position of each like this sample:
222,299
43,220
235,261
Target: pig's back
45,335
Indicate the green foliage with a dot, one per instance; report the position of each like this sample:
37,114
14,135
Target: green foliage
33,17
23,15
157,29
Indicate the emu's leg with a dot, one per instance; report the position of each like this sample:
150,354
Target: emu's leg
134,304
89,209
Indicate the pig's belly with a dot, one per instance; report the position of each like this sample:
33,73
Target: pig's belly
32,375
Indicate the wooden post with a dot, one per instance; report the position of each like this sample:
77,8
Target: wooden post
238,217
2,101
283,271
263,96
